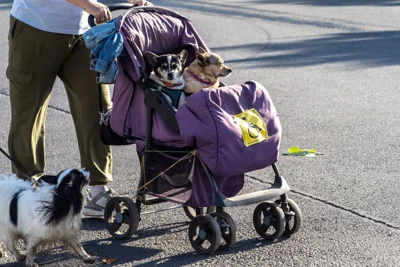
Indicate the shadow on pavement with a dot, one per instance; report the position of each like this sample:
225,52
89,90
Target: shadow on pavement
111,247
120,250
97,224
192,257
163,229
364,49
124,252
101,248
256,13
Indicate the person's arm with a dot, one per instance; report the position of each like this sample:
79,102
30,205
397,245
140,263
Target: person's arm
96,9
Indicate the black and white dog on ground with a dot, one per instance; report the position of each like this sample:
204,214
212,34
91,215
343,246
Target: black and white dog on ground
43,217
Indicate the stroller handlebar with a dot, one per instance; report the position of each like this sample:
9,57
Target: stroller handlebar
112,7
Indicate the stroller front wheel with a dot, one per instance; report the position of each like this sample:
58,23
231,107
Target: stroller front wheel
204,234
228,229
269,220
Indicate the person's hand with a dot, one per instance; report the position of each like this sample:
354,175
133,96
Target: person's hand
140,2
99,11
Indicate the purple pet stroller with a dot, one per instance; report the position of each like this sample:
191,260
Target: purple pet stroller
195,156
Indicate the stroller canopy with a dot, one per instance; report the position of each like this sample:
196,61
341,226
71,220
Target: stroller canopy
157,30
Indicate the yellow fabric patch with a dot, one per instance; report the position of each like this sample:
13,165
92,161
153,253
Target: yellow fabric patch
252,126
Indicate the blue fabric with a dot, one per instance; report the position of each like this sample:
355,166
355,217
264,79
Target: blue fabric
95,53
94,35
106,44
112,48
110,74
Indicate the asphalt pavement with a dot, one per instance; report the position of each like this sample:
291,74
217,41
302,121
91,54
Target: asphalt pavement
331,68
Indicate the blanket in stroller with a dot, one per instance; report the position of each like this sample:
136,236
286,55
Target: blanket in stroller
234,128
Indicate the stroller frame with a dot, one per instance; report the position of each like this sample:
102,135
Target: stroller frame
271,219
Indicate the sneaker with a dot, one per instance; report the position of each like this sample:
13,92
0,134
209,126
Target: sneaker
95,205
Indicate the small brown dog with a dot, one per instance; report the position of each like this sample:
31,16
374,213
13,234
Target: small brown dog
204,72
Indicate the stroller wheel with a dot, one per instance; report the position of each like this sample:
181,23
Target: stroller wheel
269,220
121,217
293,218
228,230
204,234
193,212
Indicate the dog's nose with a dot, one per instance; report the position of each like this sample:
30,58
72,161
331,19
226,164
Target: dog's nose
170,76
229,70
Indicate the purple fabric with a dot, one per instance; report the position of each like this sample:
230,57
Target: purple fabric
206,122
202,191
147,31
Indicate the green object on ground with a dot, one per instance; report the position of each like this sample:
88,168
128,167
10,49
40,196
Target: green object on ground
297,151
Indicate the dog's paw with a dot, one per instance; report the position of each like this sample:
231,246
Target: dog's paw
90,259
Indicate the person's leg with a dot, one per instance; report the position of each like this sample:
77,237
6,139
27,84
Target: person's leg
81,86
34,60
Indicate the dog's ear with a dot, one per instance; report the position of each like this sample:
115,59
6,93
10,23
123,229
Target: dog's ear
66,183
202,50
151,58
50,179
183,56
202,59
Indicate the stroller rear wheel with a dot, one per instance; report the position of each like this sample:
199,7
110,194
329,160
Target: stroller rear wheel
121,217
204,234
269,220
228,230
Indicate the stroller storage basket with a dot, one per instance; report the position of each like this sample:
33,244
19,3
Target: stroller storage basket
178,175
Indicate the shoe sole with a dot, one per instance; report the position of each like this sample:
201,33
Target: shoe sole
92,213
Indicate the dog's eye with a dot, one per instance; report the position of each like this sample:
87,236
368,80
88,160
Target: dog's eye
164,66
174,66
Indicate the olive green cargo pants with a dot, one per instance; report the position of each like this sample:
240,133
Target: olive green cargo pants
36,58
